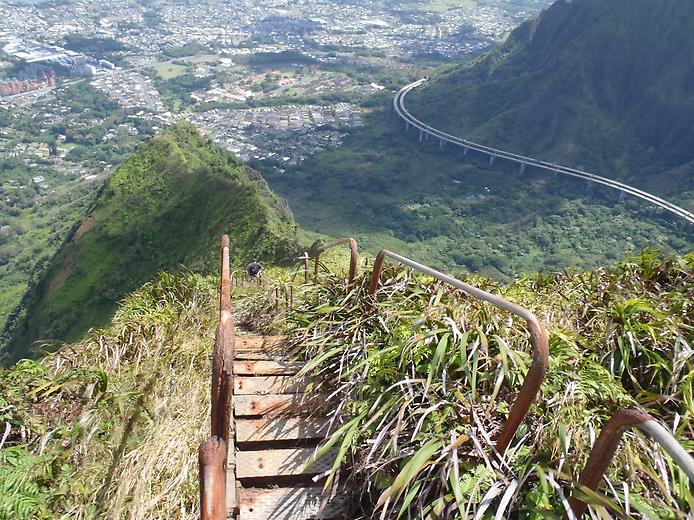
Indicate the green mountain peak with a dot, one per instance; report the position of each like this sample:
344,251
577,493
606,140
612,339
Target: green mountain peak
162,209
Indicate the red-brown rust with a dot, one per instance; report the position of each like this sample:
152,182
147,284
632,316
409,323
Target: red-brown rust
222,381
376,272
603,451
225,287
538,339
223,358
211,456
531,386
353,258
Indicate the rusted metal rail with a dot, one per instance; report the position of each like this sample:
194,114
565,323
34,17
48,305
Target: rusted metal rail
223,360
211,456
213,452
608,441
353,259
538,340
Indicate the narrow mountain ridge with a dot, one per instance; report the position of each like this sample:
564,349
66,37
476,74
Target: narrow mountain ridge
159,211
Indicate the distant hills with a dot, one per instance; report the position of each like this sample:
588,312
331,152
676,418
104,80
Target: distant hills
163,209
606,86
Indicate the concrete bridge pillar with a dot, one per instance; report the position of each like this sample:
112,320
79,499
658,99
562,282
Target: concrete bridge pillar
441,143
426,136
465,150
407,125
421,136
522,168
491,159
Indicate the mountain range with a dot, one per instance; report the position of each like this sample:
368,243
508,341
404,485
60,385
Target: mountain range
604,86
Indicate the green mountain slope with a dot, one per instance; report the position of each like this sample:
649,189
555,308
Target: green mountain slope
594,84
161,210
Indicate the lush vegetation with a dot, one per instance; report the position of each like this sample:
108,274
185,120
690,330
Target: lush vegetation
35,217
108,427
451,209
160,210
589,84
101,48
545,91
422,382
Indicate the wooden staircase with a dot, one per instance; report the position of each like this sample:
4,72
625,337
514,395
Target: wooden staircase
270,475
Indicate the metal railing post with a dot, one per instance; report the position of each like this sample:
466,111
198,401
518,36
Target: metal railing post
223,358
353,258
307,266
538,339
211,456
607,443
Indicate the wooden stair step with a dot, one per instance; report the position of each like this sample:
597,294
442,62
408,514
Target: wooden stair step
280,429
265,368
262,385
263,343
256,355
299,503
249,405
285,462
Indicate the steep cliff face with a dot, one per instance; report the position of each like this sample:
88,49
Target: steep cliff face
600,85
162,209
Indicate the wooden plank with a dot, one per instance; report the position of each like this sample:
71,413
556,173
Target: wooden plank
280,429
300,503
265,368
262,385
272,355
275,463
247,405
259,342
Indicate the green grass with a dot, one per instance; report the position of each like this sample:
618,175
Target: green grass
109,421
111,424
411,380
202,58
168,70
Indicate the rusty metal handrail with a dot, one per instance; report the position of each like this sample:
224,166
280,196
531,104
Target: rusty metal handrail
353,259
223,360
211,457
538,339
213,452
608,441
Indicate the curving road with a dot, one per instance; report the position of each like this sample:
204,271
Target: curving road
426,130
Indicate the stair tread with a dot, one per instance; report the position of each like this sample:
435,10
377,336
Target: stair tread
280,429
257,355
260,368
281,462
261,385
252,405
264,343
297,503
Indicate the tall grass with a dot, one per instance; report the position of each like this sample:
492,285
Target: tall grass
422,384
108,428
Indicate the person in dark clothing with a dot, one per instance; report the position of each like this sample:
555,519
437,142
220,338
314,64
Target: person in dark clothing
253,269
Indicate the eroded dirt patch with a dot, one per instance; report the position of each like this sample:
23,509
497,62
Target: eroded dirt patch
86,225
64,273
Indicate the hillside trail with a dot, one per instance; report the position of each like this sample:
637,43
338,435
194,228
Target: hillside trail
277,428
270,425
262,460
